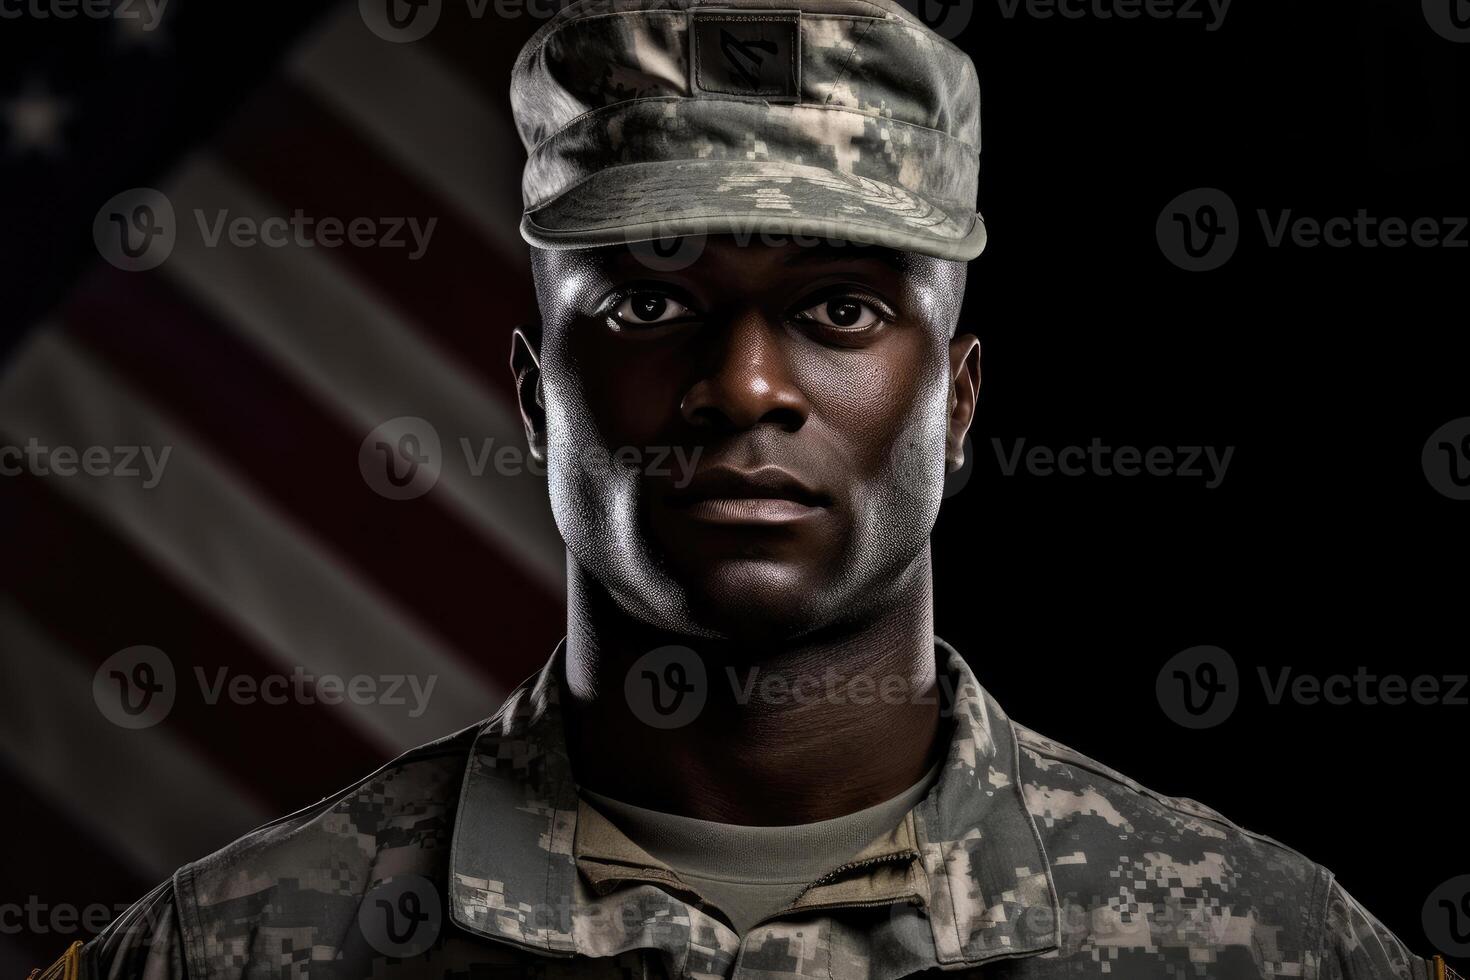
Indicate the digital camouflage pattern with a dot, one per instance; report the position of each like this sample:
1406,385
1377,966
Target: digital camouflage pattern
474,857
836,119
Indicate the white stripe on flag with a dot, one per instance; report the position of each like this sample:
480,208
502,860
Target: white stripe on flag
241,557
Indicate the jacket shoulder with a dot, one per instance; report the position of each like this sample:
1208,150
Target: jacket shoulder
1053,764
305,874
145,941
1169,879
397,803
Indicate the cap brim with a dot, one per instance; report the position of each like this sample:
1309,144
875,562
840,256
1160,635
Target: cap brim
765,201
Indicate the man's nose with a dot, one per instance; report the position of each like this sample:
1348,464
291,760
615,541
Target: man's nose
746,379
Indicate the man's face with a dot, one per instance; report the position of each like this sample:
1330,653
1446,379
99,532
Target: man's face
755,445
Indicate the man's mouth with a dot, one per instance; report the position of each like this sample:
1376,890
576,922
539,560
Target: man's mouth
766,495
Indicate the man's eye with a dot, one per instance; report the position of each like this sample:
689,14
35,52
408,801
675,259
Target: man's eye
648,309
841,313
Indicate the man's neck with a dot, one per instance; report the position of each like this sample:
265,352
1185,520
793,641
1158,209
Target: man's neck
795,732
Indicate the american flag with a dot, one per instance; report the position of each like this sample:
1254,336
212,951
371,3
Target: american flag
263,549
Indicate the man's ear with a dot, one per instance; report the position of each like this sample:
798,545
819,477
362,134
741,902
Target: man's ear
964,388
525,364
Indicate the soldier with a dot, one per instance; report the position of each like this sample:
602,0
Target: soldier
750,757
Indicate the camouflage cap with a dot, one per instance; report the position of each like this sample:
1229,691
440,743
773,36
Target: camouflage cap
837,119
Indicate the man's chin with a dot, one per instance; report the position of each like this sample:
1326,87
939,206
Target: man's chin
750,600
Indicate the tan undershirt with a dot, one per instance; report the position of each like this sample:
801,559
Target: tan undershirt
750,873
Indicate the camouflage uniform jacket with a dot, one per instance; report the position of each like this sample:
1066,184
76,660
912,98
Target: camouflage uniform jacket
473,857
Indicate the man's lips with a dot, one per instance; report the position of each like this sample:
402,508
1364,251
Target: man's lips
768,495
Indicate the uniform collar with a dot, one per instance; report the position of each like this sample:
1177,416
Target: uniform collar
532,866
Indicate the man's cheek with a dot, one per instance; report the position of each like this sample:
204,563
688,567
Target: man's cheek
915,460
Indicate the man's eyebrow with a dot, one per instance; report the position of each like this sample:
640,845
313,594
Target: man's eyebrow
848,254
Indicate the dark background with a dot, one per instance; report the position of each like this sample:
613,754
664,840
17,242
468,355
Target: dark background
1324,549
